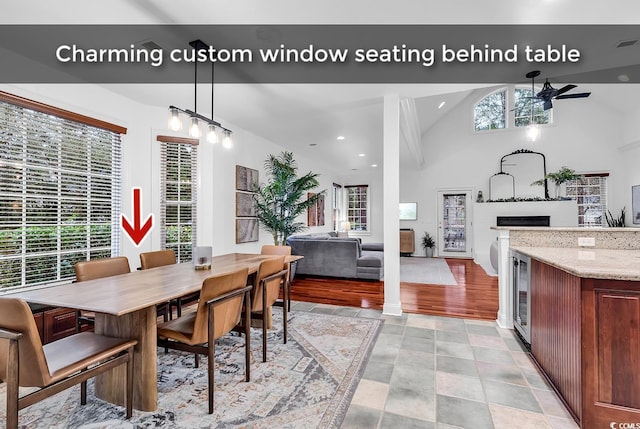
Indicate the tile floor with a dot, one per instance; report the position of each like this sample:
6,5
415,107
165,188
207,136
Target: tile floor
437,372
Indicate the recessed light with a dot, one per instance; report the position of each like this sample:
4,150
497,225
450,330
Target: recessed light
441,104
362,155
623,78
374,165
340,138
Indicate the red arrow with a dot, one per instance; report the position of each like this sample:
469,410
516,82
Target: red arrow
135,232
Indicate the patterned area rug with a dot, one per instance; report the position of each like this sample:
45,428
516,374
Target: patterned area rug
306,383
434,271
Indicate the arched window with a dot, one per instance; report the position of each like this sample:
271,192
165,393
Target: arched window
490,113
526,108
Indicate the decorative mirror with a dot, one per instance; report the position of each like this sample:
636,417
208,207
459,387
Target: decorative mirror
501,186
526,167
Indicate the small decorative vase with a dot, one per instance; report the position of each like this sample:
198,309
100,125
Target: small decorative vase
429,252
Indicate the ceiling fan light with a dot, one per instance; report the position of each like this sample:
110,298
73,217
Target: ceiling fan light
533,132
175,123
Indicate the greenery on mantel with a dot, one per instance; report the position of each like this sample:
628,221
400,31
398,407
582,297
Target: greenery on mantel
517,200
284,197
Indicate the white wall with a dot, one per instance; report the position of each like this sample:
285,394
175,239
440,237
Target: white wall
141,165
585,136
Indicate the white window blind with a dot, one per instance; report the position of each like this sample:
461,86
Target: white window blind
590,192
178,207
358,207
59,194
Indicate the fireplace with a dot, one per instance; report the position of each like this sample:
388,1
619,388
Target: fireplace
523,220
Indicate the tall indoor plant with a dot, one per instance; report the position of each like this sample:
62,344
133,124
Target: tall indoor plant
284,197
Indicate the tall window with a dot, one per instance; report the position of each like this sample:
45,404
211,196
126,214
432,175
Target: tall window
525,106
337,206
490,113
590,192
178,162
59,191
358,207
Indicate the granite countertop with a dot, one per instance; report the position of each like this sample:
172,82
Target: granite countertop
589,263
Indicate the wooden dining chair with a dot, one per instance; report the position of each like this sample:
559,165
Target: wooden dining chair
271,249
160,258
219,311
97,269
269,281
57,366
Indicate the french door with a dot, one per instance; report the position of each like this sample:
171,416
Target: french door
455,223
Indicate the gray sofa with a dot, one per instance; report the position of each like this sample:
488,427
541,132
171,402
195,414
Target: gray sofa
328,255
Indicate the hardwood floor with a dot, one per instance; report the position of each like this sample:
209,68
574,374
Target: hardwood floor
475,296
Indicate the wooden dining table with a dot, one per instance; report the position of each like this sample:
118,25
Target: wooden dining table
125,307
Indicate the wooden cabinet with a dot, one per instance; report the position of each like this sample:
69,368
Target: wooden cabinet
54,323
585,336
59,323
407,241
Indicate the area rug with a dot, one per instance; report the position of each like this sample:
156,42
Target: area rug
306,383
434,271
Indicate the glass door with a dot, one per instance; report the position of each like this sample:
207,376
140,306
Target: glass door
454,230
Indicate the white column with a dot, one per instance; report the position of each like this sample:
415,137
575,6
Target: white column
391,188
505,291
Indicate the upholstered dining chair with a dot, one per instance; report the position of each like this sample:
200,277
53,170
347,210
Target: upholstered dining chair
159,258
97,269
271,249
270,279
219,311
57,366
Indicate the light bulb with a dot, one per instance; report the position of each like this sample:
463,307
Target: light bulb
533,132
194,130
212,135
175,123
227,143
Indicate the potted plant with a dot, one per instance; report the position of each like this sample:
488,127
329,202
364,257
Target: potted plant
280,201
428,243
618,222
558,178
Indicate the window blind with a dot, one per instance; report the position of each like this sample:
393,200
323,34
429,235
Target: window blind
358,207
59,195
590,192
178,206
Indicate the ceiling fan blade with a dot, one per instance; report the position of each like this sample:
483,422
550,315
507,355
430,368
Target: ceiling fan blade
579,95
566,88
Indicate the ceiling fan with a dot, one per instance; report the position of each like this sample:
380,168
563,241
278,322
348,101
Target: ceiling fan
549,93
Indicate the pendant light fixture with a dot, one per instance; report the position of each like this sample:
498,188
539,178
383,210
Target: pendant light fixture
533,130
195,119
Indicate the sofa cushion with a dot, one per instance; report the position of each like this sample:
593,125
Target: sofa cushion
369,260
377,247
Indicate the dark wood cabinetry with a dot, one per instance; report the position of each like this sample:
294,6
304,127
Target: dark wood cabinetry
585,336
59,323
54,323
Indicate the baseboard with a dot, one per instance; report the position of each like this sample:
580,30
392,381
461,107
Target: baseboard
392,309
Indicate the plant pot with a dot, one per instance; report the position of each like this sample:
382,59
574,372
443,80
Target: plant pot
429,252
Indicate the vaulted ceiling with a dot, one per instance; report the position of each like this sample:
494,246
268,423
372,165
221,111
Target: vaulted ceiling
308,118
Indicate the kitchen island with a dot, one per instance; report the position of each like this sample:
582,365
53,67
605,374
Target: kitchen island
585,330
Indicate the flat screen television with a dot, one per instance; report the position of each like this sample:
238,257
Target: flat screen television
408,211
